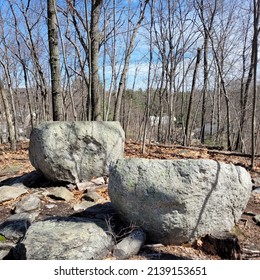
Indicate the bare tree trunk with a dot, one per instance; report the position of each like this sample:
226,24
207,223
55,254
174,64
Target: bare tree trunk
9,117
148,95
207,22
205,88
57,100
244,91
255,55
94,46
6,67
186,139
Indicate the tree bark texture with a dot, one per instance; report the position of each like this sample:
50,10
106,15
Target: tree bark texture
57,100
94,76
9,117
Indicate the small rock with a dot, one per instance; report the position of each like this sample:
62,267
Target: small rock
83,205
257,219
92,196
50,206
5,248
93,184
71,187
28,203
59,193
98,181
11,192
130,245
256,191
89,185
256,181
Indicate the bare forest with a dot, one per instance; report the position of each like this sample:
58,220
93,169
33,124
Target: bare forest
171,71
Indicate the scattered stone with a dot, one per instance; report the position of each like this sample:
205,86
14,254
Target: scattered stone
28,203
256,181
15,227
75,151
59,193
11,192
50,206
89,185
83,205
92,196
98,181
5,248
71,187
93,184
256,191
130,245
256,218
176,201
71,238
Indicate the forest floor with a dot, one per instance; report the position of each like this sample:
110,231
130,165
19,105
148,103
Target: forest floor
14,164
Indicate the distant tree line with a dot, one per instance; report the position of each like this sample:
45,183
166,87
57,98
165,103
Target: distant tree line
84,60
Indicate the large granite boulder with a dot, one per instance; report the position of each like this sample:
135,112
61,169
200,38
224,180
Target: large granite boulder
71,238
75,151
176,201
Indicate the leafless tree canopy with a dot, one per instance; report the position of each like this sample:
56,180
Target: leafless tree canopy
190,64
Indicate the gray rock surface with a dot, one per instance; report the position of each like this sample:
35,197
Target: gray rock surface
28,203
5,248
15,227
60,193
83,205
75,151
130,245
66,239
175,201
11,192
93,196
257,219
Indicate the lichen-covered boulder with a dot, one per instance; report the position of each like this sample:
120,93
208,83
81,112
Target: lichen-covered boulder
68,238
176,201
75,151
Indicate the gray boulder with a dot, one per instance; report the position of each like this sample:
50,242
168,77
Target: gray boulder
71,238
15,226
75,151
176,201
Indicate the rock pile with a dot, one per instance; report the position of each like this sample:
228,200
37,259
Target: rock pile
44,222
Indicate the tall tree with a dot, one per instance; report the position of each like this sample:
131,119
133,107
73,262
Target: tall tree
207,12
9,116
186,140
57,100
94,54
255,56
